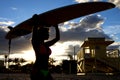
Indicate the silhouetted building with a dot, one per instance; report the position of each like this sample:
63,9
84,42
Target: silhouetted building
95,57
1,63
69,66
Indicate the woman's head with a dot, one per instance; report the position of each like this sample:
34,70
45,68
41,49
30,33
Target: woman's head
43,33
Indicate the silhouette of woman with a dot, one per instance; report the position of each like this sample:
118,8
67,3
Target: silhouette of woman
41,48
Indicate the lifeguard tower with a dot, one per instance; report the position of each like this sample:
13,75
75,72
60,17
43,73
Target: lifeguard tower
93,57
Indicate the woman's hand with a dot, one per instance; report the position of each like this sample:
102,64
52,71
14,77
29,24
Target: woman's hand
35,19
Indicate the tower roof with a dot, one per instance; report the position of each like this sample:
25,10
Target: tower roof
96,41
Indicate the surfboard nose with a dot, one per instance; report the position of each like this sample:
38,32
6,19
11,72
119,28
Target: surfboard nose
111,5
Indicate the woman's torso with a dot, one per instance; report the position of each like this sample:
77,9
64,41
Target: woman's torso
42,53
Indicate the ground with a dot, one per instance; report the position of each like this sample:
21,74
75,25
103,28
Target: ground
61,77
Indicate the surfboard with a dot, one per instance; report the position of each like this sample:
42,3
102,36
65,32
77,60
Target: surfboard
60,15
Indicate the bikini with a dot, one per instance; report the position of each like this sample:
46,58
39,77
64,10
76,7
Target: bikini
46,51
42,60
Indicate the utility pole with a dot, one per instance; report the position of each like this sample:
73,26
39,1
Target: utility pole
74,54
9,44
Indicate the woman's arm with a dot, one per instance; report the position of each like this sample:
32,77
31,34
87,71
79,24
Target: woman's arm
57,38
35,26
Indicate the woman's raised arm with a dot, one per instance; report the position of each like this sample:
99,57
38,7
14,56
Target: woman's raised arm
57,38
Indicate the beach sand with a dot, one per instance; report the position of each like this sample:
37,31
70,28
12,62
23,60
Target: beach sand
19,76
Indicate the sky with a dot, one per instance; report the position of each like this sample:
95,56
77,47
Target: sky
72,33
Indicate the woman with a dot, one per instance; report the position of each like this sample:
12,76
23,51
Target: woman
41,48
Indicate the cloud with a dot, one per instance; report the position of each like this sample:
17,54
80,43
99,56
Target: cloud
17,45
13,8
6,23
114,47
116,2
90,26
2,40
72,35
81,1
113,32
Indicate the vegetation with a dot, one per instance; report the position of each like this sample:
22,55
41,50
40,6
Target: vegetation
16,66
